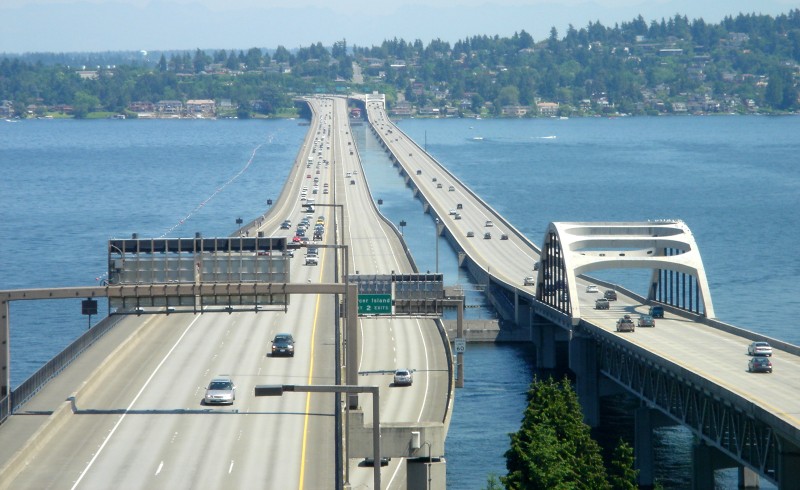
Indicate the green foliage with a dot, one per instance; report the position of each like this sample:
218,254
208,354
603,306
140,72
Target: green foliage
621,474
493,483
553,449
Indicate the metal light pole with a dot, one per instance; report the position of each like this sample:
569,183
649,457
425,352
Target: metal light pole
437,245
277,390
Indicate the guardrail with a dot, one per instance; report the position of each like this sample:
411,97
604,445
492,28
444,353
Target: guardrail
51,368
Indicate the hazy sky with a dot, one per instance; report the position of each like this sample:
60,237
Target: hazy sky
111,25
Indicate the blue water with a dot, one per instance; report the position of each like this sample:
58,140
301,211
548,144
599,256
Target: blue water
68,186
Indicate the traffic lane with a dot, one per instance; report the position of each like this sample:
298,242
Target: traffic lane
724,358
75,443
181,441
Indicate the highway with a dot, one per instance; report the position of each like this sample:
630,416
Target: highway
679,342
138,420
387,343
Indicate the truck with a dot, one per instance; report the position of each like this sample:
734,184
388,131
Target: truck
625,324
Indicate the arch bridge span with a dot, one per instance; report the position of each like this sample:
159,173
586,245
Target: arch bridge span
666,247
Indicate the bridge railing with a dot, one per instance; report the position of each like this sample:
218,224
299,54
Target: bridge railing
51,368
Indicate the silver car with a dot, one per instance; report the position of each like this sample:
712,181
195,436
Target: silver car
759,349
220,391
402,377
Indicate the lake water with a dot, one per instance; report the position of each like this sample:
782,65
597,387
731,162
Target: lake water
68,186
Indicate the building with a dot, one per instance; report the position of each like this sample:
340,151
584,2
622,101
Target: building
200,108
549,109
169,108
514,110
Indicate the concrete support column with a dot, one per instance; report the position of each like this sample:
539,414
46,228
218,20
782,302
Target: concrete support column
705,460
643,445
583,362
546,346
789,466
748,478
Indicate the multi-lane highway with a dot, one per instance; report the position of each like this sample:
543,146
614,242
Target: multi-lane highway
139,422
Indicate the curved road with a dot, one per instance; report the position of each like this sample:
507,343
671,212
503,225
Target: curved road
711,353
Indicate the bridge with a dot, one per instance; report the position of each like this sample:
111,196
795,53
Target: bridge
139,385
690,370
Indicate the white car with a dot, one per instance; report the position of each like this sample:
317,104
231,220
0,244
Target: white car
529,281
488,224
403,377
591,288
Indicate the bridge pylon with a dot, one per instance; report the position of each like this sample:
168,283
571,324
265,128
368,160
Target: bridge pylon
666,247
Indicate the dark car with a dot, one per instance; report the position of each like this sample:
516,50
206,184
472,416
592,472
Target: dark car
283,345
759,365
657,311
610,295
601,304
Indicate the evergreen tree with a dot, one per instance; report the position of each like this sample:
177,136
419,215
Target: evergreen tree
553,448
621,474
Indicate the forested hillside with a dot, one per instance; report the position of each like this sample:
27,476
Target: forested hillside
746,63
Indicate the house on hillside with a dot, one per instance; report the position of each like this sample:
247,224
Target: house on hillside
200,108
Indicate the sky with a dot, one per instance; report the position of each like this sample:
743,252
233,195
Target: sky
158,25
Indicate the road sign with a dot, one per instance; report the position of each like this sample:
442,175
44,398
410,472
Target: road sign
461,345
374,304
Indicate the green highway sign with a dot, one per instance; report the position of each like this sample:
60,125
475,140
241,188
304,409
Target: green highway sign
374,304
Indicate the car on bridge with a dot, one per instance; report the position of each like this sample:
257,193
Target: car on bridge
656,311
470,234
487,236
759,348
220,391
591,288
601,304
759,365
610,295
529,281
403,377
283,345
312,260
625,324
646,321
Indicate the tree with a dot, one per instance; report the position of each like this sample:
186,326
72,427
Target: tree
553,448
621,474
83,104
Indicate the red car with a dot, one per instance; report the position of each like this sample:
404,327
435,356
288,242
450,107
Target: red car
296,239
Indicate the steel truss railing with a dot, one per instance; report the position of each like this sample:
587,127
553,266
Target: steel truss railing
731,425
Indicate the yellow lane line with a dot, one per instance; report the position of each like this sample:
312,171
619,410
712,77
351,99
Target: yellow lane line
310,377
